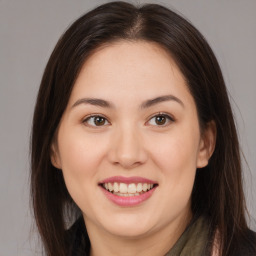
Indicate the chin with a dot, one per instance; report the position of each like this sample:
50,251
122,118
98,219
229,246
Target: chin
128,227
130,233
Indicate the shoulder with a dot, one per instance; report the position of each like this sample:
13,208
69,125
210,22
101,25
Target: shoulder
249,248
247,245
244,246
77,240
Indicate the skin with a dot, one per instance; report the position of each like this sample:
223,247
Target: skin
131,143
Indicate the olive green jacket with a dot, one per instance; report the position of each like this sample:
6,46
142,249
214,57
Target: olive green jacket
196,240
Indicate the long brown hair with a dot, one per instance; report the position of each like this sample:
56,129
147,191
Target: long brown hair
217,190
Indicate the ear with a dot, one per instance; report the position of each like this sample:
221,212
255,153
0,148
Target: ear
55,158
207,144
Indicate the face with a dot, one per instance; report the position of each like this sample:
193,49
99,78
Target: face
129,141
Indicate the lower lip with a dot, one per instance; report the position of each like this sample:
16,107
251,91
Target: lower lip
129,200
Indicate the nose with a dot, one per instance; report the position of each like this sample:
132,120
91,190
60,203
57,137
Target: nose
127,149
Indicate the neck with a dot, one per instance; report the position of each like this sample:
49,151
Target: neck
157,242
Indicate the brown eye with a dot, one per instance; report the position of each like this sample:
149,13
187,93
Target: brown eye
99,121
160,120
96,121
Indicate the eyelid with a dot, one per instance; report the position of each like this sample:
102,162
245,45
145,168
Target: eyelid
85,119
169,116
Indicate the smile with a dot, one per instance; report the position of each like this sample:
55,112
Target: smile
128,191
123,189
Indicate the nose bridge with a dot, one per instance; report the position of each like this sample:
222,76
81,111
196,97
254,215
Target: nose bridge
128,150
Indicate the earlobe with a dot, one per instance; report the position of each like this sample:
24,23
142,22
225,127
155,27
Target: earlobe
55,159
207,144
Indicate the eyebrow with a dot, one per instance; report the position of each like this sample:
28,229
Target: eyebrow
94,102
152,102
145,104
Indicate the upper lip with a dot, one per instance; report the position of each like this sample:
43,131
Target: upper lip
127,180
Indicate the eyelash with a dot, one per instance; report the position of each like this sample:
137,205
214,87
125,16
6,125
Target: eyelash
85,121
167,117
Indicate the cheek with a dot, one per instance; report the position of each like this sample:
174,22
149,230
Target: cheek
80,158
176,156
80,153
175,153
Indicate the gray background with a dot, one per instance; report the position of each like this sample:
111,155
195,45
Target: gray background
28,33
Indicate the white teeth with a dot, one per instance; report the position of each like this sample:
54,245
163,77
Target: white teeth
132,188
123,189
126,194
145,187
116,187
139,187
110,187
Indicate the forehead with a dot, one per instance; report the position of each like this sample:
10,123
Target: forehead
132,68
123,55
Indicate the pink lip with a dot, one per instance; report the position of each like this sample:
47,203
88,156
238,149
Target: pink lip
127,180
130,200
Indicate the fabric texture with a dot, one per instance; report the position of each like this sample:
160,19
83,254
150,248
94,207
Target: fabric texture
195,240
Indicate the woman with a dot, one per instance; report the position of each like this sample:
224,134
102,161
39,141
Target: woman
134,147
